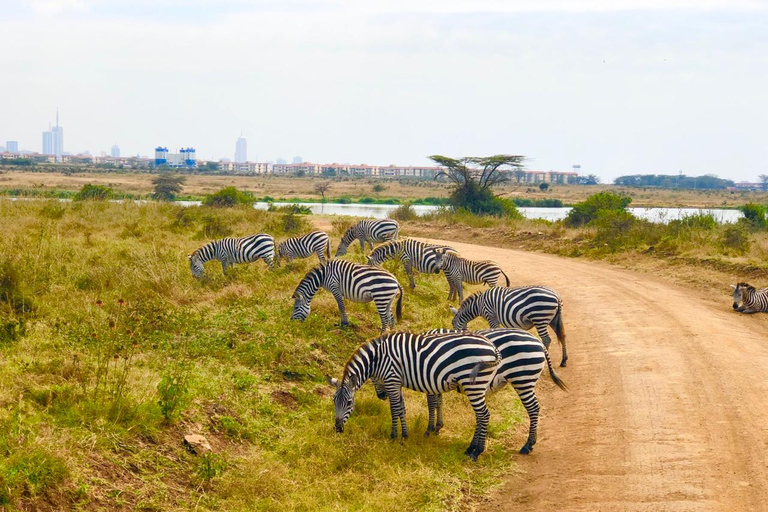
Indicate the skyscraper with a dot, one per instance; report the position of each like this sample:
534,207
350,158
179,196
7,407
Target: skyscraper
115,152
241,150
12,146
53,140
297,160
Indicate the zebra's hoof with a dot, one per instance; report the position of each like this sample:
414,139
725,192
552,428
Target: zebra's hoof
563,363
525,450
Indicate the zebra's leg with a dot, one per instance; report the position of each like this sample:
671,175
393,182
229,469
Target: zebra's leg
362,245
544,334
482,418
342,310
271,262
460,289
531,404
320,255
385,314
493,322
431,407
397,410
439,406
409,271
370,244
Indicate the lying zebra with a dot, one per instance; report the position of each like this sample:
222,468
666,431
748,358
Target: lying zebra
430,364
368,231
752,300
413,254
522,360
358,283
316,242
459,270
233,250
521,308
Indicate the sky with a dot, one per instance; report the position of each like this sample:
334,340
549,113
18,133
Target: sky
615,86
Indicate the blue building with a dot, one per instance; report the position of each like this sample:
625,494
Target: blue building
185,158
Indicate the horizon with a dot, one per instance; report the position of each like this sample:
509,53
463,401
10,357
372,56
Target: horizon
619,88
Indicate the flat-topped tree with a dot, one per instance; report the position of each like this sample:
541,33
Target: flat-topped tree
473,178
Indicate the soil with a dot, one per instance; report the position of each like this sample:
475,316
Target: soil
668,402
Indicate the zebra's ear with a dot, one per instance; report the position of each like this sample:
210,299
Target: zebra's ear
453,310
189,257
354,382
333,382
733,286
297,295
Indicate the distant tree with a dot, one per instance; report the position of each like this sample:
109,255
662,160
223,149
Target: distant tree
590,179
519,175
227,198
473,178
167,186
543,186
379,188
707,181
301,173
322,188
209,167
93,193
591,208
330,172
764,181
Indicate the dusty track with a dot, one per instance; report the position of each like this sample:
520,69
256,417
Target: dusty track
668,409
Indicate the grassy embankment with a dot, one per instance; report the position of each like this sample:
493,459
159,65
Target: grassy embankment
110,352
50,183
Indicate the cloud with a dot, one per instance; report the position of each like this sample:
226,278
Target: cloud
55,7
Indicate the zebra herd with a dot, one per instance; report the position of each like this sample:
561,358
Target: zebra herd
435,362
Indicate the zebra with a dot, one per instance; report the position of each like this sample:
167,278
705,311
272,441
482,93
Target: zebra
523,308
752,300
430,364
369,231
522,360
413,254
358,283
233,250
316,242
459,270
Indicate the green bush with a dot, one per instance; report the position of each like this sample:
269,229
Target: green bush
735,239
227,198
589,210
93,193
755,215
404,212
29,473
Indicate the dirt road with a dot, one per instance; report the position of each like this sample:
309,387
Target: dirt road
668,409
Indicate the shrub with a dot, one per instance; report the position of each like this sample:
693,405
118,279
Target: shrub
544,186
172,390
167,187
379,188
227,198
588,210
29,472
404,212
755,215
735,239
93,193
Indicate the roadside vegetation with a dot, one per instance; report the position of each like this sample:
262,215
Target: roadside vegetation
111,352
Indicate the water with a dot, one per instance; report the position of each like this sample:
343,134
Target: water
381,211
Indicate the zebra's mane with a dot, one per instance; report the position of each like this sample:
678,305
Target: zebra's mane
309,278
373,345
748,286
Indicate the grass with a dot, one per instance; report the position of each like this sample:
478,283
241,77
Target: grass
111,352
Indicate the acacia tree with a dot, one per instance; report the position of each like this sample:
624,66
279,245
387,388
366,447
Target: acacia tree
167,186
322,188
764,181
473,178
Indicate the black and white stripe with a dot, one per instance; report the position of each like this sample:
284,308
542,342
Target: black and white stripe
430,364
752,300
522,308
233,250
369,231
459,270
316,242
413,253
523,357
347,280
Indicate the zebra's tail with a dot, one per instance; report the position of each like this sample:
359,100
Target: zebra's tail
557,380
506,277
482,365
328,250
399,308
557,324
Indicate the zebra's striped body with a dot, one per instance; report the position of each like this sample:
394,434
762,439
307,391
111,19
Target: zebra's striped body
347,280
752,300
413,253
369,231
459,270
233,250
522,308
430,364
316,242
523,357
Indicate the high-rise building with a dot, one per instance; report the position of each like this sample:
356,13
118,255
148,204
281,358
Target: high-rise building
297,160
241,150
115,151
53,140
280,160
12,146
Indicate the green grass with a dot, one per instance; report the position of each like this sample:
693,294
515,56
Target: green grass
111,352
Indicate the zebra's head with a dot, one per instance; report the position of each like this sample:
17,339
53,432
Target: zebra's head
377,256
439,254
301,306
344,399
341,251
196,264
738,293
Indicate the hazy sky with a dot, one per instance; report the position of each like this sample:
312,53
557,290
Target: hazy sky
618,86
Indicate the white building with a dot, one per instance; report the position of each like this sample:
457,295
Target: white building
241,150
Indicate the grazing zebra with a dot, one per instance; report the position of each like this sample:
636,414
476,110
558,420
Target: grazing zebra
522,360
430,364
316,242
233,250
368,231
523,308
413,254
459,270
358,283
752,300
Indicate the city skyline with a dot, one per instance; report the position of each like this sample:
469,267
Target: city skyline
617,87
